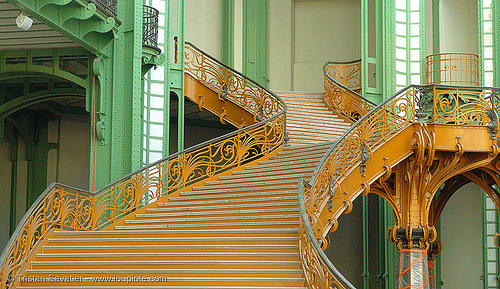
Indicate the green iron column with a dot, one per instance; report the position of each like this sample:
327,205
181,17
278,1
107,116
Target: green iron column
117,107
228,32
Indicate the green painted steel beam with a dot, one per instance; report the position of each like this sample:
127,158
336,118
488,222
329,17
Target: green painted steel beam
24,101
436,45
78,20
28,65
255,42
228,32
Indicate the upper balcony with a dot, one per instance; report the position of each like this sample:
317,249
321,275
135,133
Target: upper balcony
461,69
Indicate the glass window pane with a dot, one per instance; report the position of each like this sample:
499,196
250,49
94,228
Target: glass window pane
155,144
156,130
156,102
488,39
400,16
157,88
415,42
414,4
400,4
415,17
400,29
415,55
415,67
156,116
415,79
401,66
415,29
400,41
400,79
488,27
488,52
400,54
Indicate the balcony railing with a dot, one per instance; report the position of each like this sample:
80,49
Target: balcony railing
460,69
106,6
150,27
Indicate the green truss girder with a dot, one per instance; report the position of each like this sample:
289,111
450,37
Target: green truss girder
78,20
26,100
29,66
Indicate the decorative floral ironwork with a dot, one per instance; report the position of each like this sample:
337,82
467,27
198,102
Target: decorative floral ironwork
58,207
342,84
231,85
69,209
323,200
319,272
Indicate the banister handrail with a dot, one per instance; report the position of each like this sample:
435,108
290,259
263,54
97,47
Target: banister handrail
341,81
440,104
158,179
313,256
216,75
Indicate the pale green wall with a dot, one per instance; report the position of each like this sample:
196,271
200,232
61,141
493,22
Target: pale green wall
461,237
304,35
458,26
203,25
280,70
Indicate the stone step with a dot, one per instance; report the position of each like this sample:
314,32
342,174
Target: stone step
232,201
221,219
218,207
210,225
152,214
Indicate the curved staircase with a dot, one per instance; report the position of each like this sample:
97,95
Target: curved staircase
238,230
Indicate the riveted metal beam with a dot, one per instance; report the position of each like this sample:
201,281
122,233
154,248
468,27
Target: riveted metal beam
81,22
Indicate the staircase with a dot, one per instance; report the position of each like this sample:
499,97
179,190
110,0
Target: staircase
308,119
240,230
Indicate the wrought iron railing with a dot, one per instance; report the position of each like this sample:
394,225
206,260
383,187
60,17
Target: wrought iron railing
323,198
150,26
453,69
70,209
342,84
106,6
230,84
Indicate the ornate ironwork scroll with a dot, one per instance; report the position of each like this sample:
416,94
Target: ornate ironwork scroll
319,272
58,207
231,85
69,209
324,200
342,84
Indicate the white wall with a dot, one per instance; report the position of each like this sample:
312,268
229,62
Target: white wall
458,25
203,25
461,237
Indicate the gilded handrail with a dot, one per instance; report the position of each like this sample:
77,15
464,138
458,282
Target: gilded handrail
59,206
453,69
66,208
342,85
431,104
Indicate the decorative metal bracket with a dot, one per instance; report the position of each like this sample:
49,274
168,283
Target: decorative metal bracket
260,114
424,102
493,124
223,93
364,158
